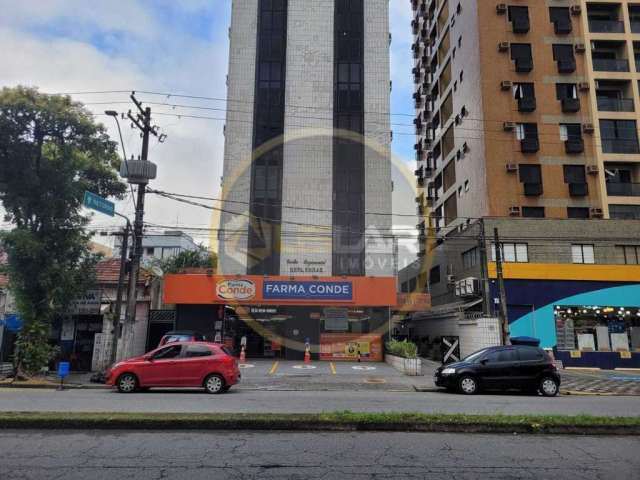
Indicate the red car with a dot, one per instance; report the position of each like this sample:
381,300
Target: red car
180,364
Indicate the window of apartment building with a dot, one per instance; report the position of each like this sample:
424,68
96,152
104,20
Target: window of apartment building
563,55
533,212
630,253
413,284
582,253
578,212
531,177
619,136
471,258
512,252
450,209
522,56
523,90
519,18
566,90
570,131
561,19
526,131
574,174
434,275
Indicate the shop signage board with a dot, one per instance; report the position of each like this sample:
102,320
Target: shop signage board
268,291
87,304
99,204
291,290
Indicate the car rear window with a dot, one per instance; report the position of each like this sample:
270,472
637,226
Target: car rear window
530,353
178,338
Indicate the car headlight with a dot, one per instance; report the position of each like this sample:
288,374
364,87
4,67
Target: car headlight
448,371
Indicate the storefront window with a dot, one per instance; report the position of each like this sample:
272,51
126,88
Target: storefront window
598,328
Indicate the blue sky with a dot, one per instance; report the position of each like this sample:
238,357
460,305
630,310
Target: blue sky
164,46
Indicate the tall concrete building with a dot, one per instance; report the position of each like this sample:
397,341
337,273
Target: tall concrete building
526,109
307,170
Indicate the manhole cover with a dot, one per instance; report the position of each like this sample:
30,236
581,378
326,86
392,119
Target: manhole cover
304,367
246,365
375,380
363,367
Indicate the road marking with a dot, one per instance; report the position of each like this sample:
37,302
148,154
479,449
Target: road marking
274,367
304,367
363,367
246,365
333,368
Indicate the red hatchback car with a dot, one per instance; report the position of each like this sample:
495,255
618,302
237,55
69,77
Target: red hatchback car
181,364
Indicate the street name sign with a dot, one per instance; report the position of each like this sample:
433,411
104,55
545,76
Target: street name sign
99,204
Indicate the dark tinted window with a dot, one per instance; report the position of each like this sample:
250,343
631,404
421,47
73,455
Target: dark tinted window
227,350
197,351
508,355
529,353
168,352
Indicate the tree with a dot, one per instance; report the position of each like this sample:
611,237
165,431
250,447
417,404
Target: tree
200,258
51,151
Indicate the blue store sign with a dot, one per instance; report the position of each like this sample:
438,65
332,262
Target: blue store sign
280,290
13,322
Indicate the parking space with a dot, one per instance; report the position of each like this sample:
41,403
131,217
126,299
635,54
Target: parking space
291,375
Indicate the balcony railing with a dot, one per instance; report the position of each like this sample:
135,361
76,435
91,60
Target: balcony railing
620,145
611,64
623,189
608,104
606,26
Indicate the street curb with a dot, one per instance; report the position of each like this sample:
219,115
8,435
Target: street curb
306,423
49,386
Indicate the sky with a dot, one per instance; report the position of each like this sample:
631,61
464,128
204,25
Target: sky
172,48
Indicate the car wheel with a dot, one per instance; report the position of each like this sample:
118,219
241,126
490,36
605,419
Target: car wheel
468,385
214,384
127,383
549,386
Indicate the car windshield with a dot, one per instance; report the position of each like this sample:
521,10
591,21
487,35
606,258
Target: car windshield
475,356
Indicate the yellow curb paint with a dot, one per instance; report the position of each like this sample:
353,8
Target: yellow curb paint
333,368
628,369
274,368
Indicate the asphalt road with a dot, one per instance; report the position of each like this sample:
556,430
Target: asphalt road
251,401
247,455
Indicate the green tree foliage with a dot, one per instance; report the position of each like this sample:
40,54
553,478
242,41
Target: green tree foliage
200,258
51,151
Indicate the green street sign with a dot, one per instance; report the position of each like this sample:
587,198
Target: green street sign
102,205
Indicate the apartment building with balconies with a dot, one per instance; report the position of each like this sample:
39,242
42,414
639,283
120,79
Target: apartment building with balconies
526,109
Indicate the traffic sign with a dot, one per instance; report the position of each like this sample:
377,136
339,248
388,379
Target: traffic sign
99,204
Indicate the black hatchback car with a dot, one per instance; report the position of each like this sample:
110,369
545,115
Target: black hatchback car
519,367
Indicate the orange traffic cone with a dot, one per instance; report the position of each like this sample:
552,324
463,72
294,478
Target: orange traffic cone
307,355
243,355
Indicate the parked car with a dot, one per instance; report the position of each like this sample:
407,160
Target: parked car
181,364
521,367
181,336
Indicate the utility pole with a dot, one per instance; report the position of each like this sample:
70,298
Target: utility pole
137,172
504,319
484,271
120,290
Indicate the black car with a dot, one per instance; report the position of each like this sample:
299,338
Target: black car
519,367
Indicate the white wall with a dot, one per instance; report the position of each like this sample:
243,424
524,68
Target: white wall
474,334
